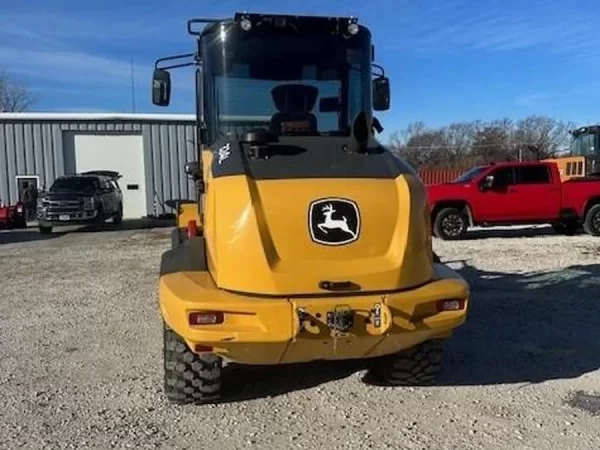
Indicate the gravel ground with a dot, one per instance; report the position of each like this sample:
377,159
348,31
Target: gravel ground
81,362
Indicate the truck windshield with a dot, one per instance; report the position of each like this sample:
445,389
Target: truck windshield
313,84
469,174
583,145
73,184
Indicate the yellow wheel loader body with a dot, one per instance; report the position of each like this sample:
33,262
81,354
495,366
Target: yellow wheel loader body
309,239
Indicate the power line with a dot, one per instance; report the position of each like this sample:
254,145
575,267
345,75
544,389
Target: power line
466,147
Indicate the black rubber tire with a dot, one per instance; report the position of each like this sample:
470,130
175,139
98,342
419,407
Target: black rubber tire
188,377
591,224
100,220
415,366
566,228
45,230
457,214
118,217
178,235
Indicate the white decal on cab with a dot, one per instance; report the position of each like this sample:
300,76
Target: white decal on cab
224,153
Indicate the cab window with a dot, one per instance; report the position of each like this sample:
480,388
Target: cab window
538,174
503,176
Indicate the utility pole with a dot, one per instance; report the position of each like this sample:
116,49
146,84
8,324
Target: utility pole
132,88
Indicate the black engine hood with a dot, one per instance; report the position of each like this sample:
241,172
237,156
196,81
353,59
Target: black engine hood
306,157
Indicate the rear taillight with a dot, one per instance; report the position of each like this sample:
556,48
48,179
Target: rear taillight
450,305
205,318
19,209
192,229
199,348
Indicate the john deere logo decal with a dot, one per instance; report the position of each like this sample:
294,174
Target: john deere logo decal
334,221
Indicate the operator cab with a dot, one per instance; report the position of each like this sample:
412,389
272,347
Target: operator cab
586,144
289,75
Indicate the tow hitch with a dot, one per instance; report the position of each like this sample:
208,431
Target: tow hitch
340,320
343,320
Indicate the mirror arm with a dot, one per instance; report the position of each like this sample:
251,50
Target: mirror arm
377,66
377,125
177,66
171,58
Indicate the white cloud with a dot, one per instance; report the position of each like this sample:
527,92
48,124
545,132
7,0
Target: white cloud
56,27
577,93
50,50
76,67
511,25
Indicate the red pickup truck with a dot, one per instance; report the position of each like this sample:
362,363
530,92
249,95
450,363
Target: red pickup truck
519,193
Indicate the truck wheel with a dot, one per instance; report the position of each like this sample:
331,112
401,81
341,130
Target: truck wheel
450,223
118,217
566,228
188,377
591,224
100,219
45,230
415,366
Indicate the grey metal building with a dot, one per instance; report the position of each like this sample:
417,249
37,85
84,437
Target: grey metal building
149,150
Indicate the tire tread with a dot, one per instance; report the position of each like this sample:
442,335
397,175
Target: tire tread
416,366
189,377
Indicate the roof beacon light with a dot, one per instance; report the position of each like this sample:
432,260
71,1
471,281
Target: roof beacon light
353,27
246,24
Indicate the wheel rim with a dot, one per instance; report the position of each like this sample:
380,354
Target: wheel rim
452,225
596,221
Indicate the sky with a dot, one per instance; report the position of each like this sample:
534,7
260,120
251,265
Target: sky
447,60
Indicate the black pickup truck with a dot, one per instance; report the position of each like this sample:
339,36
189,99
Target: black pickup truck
85,198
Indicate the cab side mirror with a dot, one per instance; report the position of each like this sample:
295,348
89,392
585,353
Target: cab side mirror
192,169
161,87
381,94
487,183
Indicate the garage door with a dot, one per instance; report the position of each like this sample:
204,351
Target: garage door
123,153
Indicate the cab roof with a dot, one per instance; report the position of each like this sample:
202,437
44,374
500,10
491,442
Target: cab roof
272,22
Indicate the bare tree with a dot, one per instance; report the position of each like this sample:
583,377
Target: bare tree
459,138
541,137
465,144
493,142
14,97
419,145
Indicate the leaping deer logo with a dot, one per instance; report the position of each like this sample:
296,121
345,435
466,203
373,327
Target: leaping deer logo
330,223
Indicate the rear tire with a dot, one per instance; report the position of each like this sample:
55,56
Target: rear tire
450,223
415,366
591,224
566,228
100,221
188,377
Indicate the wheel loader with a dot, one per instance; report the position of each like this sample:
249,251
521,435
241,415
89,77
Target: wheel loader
307,239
